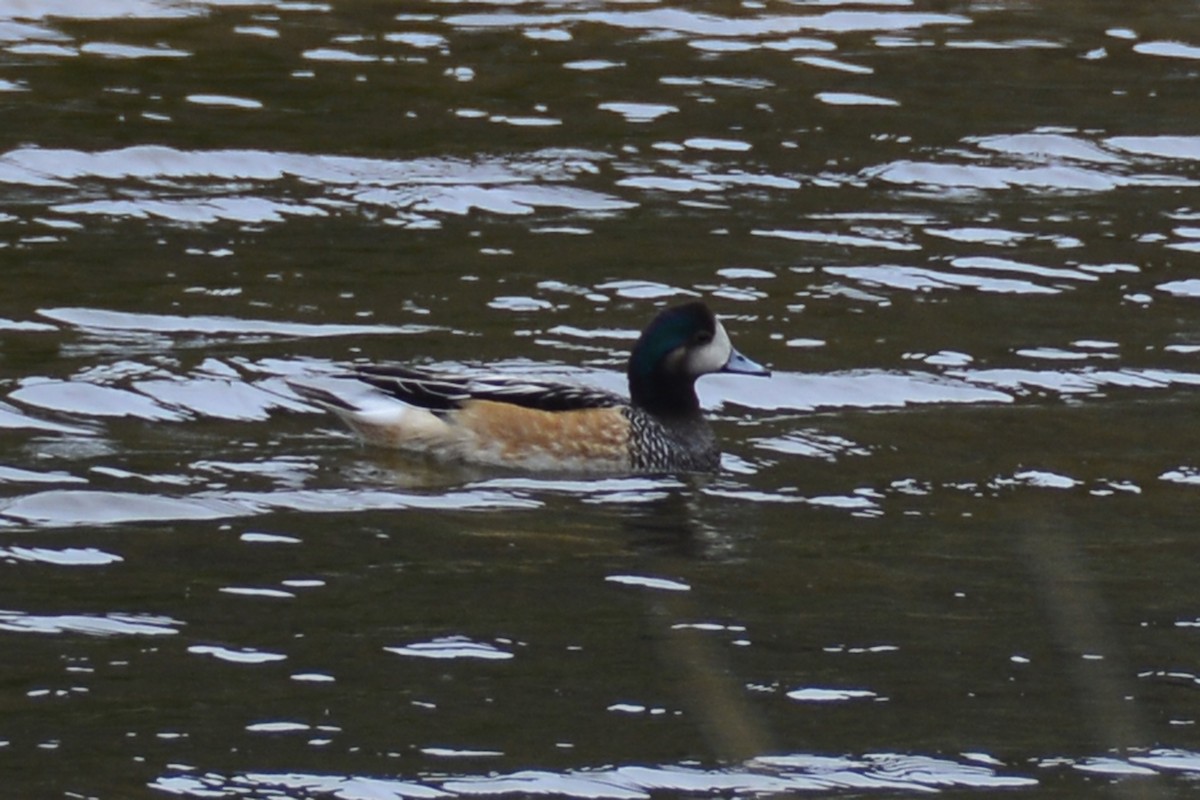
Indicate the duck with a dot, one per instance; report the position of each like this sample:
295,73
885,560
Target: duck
544,426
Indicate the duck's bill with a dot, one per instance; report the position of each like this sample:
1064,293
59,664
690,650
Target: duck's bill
741,365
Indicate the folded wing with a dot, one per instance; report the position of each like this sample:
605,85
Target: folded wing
445,392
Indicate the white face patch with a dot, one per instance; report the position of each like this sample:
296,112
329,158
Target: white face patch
711,357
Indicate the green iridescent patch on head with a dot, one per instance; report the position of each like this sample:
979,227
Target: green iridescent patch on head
671,329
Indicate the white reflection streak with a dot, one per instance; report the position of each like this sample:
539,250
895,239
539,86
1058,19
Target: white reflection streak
812,694
18,475
428,185
1046,146
712,25
246,655
1181,147
105,9
452,647
759,776
103,319
68,556
833,239
1060,177
92,625
1008,265
65,507
921,278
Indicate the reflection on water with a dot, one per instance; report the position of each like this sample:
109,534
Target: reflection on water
239,390
415,193
951,545
768,775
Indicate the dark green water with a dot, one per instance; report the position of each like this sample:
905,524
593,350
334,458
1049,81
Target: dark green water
953,544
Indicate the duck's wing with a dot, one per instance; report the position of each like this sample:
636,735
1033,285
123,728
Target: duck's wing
439,391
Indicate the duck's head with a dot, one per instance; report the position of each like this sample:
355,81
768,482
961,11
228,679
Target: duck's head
681,344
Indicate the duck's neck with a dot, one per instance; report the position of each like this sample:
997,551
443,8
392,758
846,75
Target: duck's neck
668,397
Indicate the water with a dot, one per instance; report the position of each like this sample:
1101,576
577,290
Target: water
952,545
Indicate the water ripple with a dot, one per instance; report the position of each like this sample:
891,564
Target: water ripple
114,624
65,507
761,776
416,190
65,557
687,22
106,320
452,647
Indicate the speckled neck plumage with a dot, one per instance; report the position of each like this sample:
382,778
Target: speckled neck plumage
676,444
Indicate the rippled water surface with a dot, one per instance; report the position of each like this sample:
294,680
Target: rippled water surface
953,545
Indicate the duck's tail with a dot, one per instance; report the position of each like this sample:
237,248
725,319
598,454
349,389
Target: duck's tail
379,419
321,396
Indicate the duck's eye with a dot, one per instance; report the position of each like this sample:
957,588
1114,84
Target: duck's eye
702,338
